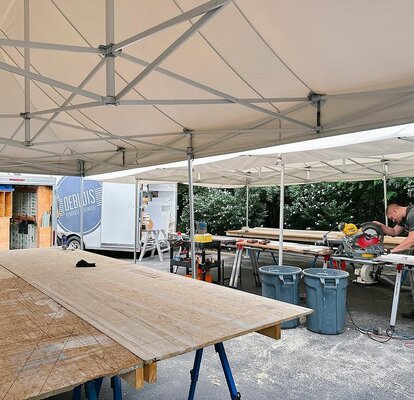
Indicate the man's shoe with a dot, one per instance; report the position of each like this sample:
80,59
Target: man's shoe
409,314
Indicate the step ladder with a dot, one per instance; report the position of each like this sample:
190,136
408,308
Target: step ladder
154,239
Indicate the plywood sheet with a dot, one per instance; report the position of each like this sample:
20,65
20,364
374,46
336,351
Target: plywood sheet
154,314
45,349
4,233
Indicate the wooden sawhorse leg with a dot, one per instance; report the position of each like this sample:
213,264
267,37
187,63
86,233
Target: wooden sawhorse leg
234,394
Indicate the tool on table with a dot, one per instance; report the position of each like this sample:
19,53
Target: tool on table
363,243
264,242
201,235
82,264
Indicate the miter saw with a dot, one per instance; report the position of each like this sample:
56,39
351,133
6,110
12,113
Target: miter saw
362,244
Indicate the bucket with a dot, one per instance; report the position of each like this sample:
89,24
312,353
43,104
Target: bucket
326,295
281,282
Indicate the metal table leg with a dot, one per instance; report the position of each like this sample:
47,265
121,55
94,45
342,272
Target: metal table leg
234,277
396,297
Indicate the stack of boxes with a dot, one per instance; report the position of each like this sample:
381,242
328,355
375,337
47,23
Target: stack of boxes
23,231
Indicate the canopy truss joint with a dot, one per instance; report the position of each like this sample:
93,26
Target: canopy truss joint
317,100
122,150
110,100
25,115
108,50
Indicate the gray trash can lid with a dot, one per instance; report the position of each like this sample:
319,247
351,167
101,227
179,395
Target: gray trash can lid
325,273
279,270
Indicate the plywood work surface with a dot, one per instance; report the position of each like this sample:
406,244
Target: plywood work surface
154,314
45,349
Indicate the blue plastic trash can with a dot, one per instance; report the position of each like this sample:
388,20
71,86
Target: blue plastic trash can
326,295
281,282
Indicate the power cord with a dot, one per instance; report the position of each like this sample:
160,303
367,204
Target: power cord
374,333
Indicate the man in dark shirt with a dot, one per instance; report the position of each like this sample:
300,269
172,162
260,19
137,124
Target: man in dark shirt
404,219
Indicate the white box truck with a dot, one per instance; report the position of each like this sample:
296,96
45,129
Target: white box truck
109,212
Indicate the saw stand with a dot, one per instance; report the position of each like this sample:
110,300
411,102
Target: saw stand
403,264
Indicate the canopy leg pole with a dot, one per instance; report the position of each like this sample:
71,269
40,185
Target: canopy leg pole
190,157
82,175
247,204
137,220
384,180
26,78
282,205
109,56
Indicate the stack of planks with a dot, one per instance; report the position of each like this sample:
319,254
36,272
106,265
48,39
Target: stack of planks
301,235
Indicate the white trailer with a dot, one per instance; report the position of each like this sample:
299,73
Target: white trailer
109,212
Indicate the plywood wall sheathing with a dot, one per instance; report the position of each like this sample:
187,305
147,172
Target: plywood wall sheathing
4,233
2,204
8,204
44,205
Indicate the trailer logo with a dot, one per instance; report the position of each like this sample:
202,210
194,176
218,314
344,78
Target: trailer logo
69,204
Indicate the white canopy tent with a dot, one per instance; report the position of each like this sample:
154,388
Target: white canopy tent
317,161
97,86
310,162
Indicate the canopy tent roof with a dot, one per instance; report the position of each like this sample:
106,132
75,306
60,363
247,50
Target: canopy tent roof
316,161
123,81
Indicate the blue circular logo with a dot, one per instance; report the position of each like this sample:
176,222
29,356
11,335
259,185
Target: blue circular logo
69,204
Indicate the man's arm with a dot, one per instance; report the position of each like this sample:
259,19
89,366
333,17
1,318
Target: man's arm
390,231
407,243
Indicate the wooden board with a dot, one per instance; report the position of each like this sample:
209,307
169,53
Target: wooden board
44,205
154,314
4,233
396,259
45,349
289,247
301,235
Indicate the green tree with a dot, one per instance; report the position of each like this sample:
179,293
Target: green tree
318,206
222,209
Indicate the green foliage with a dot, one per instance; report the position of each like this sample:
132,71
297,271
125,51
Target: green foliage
313,206
222,209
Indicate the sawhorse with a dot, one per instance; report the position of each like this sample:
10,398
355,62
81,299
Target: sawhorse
236,269
327,260
234,394
92,389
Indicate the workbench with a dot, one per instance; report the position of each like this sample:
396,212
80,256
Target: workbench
136,316
205,265
256,247
307,236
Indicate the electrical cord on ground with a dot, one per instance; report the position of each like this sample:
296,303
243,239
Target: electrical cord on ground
372,333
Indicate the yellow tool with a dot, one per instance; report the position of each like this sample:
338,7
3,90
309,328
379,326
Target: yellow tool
348,229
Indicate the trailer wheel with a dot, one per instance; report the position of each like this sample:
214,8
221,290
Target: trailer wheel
74,243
